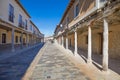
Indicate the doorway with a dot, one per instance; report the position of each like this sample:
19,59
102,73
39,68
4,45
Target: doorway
3,38
101,43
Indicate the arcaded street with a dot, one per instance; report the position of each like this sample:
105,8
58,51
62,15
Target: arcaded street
60,40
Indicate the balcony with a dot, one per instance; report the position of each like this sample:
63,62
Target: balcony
21,25
26,28
11,18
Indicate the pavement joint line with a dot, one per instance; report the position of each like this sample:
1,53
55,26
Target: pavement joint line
32,66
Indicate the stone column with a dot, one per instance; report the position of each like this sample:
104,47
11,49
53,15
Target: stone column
62,40
76,48
13,40
21,40
105,46
59,41
67,41
27,42
98,4
32,40
89,45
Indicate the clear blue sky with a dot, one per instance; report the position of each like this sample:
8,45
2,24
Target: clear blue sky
46,14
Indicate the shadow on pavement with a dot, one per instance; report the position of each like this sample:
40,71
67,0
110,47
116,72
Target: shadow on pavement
114,64
14,67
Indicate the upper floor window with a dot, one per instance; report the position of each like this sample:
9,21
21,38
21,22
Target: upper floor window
76,10
31,27
20,21
11,13
67,20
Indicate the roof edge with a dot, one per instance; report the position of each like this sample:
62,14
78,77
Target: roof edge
23,8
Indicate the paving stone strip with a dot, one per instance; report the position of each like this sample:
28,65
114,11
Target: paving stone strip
55,65
34,62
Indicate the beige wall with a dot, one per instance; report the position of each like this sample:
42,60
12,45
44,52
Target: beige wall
82,41
71,37
17,34
114,44
8,36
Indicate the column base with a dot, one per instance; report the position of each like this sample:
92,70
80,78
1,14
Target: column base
75,53
89,61
13,50
105,69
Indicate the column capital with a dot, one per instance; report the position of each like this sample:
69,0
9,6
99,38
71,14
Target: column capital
75,30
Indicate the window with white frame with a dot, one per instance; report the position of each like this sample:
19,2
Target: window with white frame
11,13
76,10
31,27
20,21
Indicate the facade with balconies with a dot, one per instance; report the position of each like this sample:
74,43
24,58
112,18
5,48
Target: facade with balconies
93,27
16,28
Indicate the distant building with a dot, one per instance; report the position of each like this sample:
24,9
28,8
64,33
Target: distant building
48,38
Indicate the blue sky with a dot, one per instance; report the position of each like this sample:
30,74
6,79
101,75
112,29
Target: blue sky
46,14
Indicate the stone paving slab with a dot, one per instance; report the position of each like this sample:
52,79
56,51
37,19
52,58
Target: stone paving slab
55,65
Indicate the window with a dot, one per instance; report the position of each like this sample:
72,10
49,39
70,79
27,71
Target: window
76,10
3,38
67,20
11,13
31,27
16,39
20,21
26,24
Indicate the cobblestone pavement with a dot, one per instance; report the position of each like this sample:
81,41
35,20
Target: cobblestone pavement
14,67
55,65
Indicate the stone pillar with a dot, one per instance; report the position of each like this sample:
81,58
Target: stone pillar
59,40
89,45
62,40
13,42
98,4
105,46
67,41
76,48
21,40
27,42
32,40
